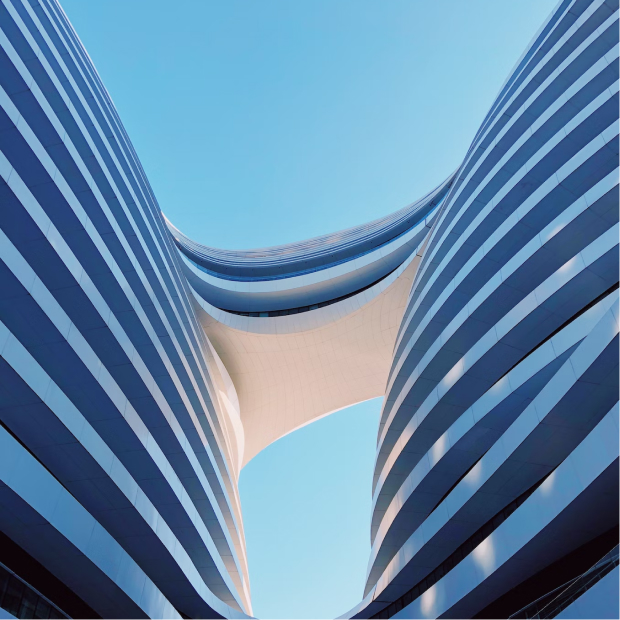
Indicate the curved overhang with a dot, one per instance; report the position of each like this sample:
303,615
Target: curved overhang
132,397
292,370
284,261
305,290
302,330
288,371
318,271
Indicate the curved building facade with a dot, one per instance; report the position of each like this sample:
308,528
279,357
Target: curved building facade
140,370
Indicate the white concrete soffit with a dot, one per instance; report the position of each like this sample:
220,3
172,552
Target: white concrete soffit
291,370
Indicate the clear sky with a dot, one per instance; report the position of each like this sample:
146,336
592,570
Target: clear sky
261,122
306,512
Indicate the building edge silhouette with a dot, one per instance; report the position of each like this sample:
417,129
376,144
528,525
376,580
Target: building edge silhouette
141,370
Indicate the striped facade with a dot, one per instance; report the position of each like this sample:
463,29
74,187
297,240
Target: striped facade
115,455
140,370
497,452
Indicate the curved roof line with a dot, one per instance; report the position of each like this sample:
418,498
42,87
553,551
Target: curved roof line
312,254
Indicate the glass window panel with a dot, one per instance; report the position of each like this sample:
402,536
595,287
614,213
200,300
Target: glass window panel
13,596
29,603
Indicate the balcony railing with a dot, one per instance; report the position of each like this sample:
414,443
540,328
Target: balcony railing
552,603
21,600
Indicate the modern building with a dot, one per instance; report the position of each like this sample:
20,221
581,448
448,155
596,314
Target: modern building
140,370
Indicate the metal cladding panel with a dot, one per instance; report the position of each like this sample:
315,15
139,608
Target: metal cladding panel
506,361
107,382
140,370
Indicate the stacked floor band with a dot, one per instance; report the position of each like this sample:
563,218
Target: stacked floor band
140,370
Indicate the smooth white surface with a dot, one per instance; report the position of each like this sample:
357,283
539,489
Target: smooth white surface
289,371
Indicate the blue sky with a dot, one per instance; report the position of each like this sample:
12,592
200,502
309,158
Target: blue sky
306,512
266,122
